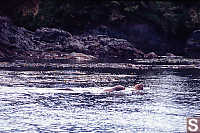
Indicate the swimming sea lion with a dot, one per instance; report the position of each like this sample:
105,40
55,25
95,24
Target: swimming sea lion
138,87
115,88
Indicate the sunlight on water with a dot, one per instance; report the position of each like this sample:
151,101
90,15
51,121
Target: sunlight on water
39,101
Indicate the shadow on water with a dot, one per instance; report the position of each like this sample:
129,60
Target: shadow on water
36,101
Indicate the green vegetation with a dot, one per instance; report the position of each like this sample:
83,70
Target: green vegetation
171,17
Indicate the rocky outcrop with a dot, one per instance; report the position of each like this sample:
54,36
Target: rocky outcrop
103,46
52,35
51,39
13,40
100,46
45,42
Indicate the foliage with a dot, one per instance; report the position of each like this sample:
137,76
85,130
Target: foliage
171,17
25,7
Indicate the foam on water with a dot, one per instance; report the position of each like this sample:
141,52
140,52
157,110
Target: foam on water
37,101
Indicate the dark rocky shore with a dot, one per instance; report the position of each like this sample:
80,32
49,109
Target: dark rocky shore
91,30
50,43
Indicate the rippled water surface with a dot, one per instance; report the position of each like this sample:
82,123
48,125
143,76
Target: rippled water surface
38,100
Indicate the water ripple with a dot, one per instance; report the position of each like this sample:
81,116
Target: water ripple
36,101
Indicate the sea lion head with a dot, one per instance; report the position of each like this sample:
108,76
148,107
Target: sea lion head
138,87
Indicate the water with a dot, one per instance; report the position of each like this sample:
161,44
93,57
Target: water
36,100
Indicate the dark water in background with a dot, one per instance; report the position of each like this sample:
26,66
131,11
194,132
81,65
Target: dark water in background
35,101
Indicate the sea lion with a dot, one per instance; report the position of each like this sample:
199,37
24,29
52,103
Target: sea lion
115,88
138,87
120,87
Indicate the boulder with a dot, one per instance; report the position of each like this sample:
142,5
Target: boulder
52,39
103,46
151,55
52,35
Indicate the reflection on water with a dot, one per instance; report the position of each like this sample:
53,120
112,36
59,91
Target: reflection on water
36,101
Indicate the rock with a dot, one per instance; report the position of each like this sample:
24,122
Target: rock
12,36
103,46
76,46
13,39
18,40
170,54
51,39
52,35
80,57
151,55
